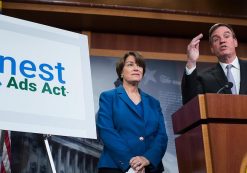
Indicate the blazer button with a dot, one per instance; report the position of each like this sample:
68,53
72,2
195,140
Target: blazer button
141,138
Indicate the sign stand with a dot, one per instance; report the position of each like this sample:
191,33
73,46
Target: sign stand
48,149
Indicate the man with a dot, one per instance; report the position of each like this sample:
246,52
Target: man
223,43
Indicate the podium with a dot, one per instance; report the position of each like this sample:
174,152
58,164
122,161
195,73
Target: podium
212,134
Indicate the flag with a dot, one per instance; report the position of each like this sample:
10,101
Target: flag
6,154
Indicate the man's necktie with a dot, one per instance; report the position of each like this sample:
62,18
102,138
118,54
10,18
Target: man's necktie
230,78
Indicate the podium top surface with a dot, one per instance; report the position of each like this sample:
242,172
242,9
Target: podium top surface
206,108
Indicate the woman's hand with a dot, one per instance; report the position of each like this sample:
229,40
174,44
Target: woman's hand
138,163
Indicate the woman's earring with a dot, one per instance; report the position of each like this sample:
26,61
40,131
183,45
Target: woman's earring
121,75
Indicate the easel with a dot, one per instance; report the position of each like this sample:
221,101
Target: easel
48,149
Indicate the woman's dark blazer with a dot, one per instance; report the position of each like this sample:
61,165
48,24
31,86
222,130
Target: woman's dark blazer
126,134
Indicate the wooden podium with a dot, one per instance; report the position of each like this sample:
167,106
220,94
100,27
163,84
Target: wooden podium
212,134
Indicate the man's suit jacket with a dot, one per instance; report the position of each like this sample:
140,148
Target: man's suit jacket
126,134
210,81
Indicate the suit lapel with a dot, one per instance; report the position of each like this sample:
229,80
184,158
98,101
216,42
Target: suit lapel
243,77
146,106
220,77
123,95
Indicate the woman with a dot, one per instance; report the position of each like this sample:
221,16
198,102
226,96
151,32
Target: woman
130,123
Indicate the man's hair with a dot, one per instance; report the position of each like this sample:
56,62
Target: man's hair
217,25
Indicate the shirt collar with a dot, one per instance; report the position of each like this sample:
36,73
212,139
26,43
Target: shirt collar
235,64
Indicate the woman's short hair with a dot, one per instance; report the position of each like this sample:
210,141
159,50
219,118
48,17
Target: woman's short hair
138,59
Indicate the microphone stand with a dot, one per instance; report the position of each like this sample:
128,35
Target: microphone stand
229,85
221,89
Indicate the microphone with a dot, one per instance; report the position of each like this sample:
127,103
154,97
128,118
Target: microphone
228,85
